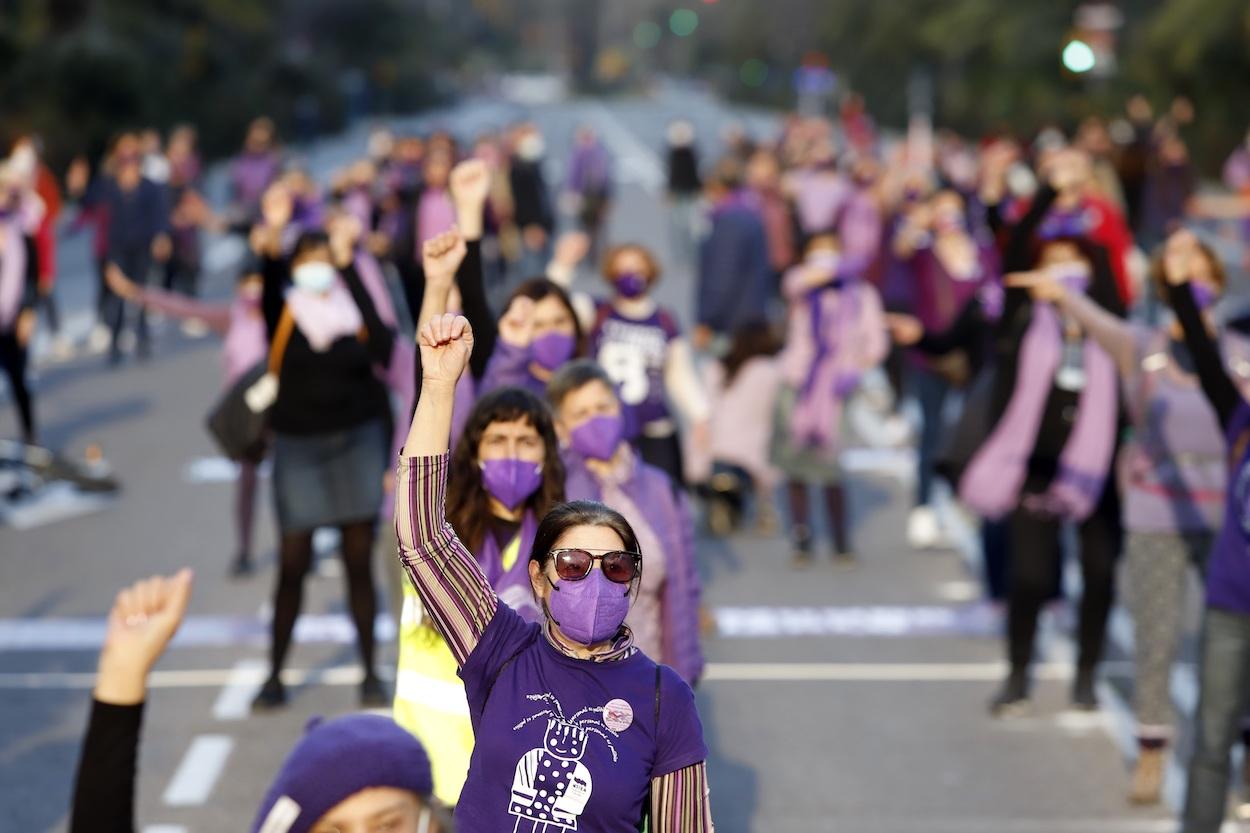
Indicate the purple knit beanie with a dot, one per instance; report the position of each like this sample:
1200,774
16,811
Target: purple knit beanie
337,759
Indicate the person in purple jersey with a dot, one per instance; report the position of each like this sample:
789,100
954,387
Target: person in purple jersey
640,345
576,728
602,466
1224,652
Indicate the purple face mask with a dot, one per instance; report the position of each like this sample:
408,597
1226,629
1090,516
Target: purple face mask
598,437
511,481
588,611
630,284
1204,296
550,350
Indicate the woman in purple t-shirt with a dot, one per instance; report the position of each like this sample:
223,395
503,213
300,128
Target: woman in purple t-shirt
575,729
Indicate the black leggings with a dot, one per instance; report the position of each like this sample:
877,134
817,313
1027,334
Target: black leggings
294,561
13,358
1035,558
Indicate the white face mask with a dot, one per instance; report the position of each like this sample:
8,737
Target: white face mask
531,147
314,276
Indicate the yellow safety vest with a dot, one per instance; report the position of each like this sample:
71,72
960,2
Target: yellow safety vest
429,696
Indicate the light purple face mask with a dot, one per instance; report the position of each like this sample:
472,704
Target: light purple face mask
1073,275
588,611
550,350
511,481
598,437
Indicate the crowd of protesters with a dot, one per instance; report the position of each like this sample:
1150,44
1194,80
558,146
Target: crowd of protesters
421,334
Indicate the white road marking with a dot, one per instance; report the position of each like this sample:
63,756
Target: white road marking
164,828
235,700
87,633
344,675
201,766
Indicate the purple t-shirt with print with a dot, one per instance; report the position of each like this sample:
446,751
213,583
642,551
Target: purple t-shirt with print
566,744
634,352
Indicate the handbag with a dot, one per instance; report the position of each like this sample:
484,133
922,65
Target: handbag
239,421
966,436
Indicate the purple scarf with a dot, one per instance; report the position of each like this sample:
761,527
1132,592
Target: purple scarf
12,274
435,215
994,479
833,311
512,585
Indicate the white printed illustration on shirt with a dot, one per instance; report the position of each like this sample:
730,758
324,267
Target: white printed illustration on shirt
551,785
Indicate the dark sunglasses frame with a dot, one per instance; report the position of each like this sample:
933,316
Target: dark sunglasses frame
634,560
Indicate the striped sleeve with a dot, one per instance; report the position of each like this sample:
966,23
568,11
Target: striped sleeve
680,801
452,589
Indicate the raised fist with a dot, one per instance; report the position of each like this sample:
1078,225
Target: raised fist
470,184
276,206
517,325
441,256
143,620
446,344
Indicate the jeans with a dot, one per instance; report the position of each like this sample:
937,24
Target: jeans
931,391
1223,685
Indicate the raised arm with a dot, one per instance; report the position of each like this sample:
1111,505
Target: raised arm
173,304
470,187
1216,384
144,618
344,232
1112,333
451,586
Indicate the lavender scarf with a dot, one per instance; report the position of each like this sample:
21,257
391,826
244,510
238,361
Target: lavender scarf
844,326
512,584
12,274
994,479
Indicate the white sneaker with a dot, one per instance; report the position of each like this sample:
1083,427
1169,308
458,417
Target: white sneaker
194,328
99,339
923,531
62,348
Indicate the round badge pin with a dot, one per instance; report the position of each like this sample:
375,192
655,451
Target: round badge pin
618,715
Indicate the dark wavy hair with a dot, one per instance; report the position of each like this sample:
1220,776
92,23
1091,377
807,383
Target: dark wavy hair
536,289
468,502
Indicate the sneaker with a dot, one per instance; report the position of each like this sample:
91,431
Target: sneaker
1012,699
373,694
99,339
272,695
845,559
923,531
62,348
195,328
1084,697
1147,786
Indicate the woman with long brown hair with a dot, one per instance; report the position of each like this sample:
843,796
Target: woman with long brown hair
505,474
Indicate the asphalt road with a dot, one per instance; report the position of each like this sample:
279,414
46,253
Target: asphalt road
835,699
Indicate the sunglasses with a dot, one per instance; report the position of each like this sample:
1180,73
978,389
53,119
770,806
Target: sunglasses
574,564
